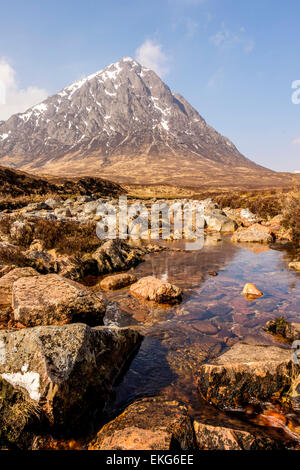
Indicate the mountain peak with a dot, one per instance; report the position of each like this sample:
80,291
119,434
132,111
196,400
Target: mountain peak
120,117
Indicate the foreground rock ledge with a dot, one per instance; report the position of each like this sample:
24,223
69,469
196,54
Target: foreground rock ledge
247,374
66,370
151,288
150,424
54,300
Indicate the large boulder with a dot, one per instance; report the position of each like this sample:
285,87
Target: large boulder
152,288
54,300
256,233
117,281
66,370
149,424
247,373
220,223
117,255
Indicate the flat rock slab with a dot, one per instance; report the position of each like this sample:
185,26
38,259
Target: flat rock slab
149,424
66,370
256,233
54,300
117,281
154,289
247,374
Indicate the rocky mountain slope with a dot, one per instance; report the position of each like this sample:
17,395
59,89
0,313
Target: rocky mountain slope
124,123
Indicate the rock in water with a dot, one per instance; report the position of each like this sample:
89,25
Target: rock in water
117,281
250,290
295,265
212,437
256,233
151,288
247,373
54,300
66,370
149,424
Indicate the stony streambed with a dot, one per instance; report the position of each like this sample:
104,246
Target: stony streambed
212,316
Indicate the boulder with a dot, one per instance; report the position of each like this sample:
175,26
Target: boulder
149,424
62,212
213,437
42,261
117,281
220,223
256,233
247,373
7,281
251,291
66,370
52,203
288,331
117,255
152,288
54,300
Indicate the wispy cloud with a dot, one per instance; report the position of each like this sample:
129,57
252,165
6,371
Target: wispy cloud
216,80
16,99
224,38
151,54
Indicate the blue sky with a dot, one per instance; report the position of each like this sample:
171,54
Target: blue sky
233,60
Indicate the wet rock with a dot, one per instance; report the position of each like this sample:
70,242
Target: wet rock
247,374
117,281
116,255
7,281
256,233
205,327
152,288
295,265
251,291
213,437
66,370
18,413
54,300
220,223
289,331
149,424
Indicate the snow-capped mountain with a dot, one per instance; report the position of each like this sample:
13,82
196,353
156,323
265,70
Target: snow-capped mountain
122,121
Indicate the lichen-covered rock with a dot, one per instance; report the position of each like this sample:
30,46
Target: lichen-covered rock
54,300
149,424
247,374
52,203
66,370
289,331
152,288
117,281
256,233
116,255
213,437
21,232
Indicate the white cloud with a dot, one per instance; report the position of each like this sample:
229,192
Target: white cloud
151,55
296,141
226,39
13,98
